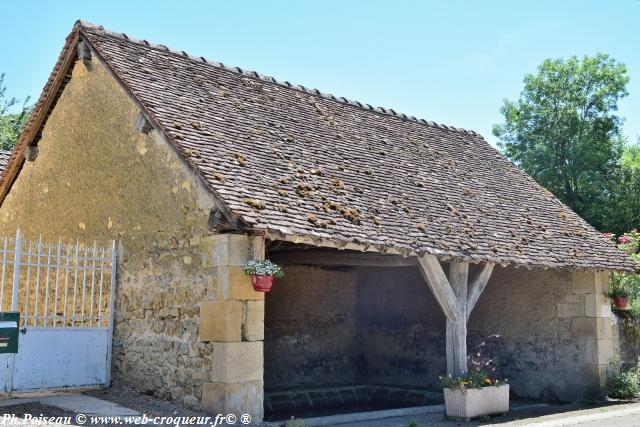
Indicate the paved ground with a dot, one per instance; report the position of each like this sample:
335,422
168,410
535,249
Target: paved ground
610,415
120,402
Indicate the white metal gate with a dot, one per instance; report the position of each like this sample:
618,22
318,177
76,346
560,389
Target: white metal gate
65,295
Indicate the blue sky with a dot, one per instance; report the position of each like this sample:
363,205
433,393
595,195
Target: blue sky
448,61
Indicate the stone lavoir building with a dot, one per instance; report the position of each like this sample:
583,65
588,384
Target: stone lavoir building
402,240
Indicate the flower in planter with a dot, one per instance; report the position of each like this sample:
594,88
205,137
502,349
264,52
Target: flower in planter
625,286
472,379
262,268
474,394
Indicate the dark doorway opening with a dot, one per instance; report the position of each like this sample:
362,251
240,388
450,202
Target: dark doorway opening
350,338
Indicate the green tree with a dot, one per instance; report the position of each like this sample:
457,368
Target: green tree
13,117
564,131
622,209
631,156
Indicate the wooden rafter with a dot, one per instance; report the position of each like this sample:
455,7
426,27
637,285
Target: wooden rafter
324,257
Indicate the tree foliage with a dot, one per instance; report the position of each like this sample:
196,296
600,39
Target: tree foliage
13,117
621,208
631,157
565,133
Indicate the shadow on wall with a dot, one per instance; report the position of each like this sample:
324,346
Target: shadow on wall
352,326
628,330
382,326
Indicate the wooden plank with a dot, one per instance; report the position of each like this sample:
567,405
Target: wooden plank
439,285
339,258
477,285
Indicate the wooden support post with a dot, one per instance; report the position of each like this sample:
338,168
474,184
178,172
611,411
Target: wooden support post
456,298
457,331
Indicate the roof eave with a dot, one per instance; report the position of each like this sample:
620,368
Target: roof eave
318,241
39,114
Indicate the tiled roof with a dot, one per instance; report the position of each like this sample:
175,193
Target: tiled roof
293,161
4,159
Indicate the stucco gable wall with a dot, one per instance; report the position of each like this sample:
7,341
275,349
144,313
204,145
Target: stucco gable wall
97,177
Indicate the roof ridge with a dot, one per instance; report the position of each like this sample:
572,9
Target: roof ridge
269,79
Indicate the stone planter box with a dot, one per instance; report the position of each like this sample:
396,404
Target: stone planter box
476,402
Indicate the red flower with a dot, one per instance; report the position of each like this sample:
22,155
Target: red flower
623,239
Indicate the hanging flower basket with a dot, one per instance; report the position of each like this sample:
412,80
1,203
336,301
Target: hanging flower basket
261,283
621,302
619,294
262,273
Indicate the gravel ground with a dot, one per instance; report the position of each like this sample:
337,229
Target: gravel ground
149,405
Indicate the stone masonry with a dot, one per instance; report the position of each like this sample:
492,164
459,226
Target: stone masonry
171,271
232,321
592,324
548,331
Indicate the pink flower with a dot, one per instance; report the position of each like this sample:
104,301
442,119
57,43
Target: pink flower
623,239
607,235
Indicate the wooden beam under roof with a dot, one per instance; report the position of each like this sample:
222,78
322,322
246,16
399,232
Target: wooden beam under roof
335,258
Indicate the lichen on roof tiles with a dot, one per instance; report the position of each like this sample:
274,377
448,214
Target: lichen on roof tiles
294,160
4,159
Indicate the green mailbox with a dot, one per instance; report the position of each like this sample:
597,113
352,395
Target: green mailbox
9,322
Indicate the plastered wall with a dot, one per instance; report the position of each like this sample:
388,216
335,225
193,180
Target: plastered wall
97,178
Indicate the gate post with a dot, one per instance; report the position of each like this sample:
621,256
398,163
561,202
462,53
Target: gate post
16,272
11,360
112,305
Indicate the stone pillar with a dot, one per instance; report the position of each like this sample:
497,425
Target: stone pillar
592,327
232,318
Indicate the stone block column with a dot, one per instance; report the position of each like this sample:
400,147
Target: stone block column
232,319
592,327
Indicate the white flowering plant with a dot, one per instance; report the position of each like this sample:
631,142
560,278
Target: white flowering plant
262,268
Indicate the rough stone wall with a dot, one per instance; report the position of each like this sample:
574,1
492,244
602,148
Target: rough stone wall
554,333
627,338
401,329
352,326
97,177
554,328
156,348
310,329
